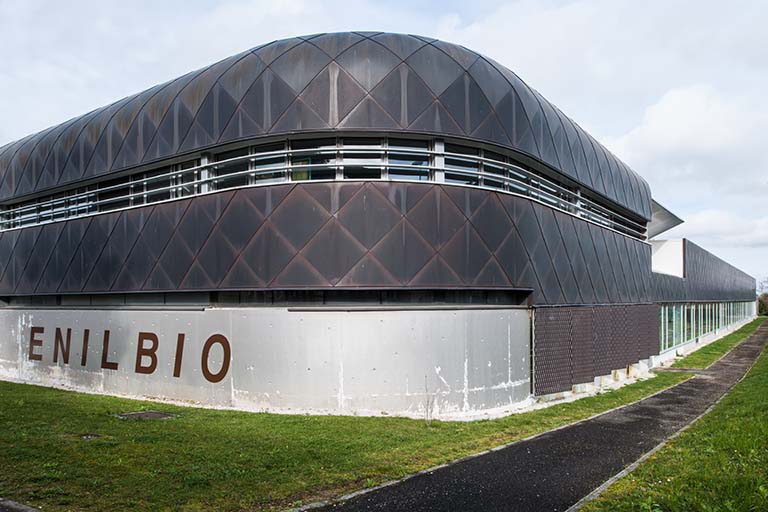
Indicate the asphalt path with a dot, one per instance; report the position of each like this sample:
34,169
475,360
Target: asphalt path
555,470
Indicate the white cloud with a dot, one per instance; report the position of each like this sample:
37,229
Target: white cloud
694,120
720,228
700,148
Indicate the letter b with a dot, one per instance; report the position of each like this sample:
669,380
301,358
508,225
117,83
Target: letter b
150,352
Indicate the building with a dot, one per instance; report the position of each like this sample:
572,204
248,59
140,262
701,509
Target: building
348,223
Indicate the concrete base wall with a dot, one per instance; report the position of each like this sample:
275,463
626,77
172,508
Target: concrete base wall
442,363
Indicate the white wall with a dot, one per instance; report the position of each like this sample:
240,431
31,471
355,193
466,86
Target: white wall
318,361
667,257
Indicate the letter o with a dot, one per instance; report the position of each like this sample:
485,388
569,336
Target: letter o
221,340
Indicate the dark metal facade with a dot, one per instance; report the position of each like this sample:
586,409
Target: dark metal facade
576,344
331,235
346,81
707,278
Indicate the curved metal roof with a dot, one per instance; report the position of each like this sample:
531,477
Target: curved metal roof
352,80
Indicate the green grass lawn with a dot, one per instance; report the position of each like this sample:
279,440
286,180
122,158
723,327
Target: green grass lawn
719,464
705,356
228,460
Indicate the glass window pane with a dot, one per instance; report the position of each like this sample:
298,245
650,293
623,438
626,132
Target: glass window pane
361,172
461,179
408,159
313,159
239,165
157,186
396,173
419,145
464,150
113,194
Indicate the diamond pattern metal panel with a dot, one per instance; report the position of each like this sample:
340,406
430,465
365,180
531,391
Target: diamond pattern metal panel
403,95
61,255
362,81
8,155
112,258
85,255
22,253
83,150
37,159
561,264
368,62
595,271
334,44
577,151
344,234
541,260
576,258
114,135
144,127
7,245
401,45
38,259
15,167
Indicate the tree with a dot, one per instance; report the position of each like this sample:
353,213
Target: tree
762,299
762,304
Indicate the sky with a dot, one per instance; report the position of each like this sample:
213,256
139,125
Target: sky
674,88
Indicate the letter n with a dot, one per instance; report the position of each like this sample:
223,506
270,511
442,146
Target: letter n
59,344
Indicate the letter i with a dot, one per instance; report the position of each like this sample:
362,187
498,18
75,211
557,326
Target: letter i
84,355
179,355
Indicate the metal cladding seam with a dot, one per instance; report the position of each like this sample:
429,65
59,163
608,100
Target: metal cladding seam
344,81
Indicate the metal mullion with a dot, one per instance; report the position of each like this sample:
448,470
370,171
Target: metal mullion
384,170
674,325
339,160
480,168
250,165
438,160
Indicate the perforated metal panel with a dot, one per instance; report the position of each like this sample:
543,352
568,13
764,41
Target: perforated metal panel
573,345
605,334
582,351
553,360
